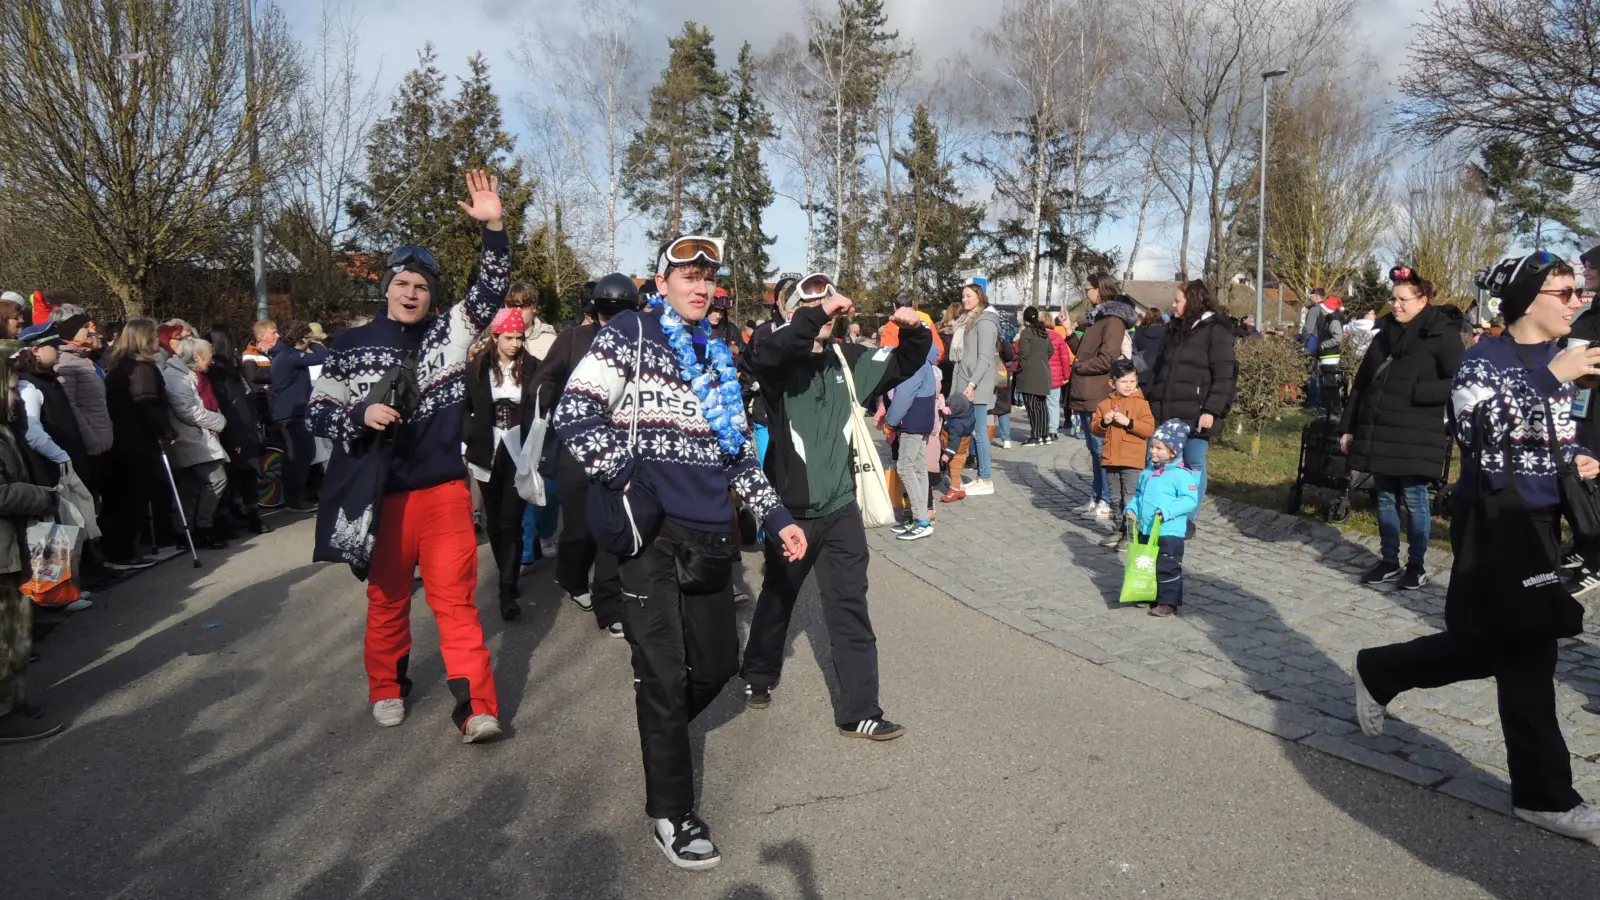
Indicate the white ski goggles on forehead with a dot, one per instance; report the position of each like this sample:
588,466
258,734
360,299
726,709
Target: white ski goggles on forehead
814,287
690,248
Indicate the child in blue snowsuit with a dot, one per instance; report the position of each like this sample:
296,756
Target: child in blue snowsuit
1171,490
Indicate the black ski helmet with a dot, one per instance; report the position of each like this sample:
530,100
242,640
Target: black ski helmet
614,294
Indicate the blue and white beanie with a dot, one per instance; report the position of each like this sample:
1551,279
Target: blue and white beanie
1174,434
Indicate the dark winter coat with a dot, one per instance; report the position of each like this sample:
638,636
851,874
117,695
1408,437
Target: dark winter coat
242,436
1100,347
1147,349
480,405
136,394
1034,350
1195,373
1398,409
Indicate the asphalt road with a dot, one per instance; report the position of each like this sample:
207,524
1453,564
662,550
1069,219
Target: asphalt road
220,746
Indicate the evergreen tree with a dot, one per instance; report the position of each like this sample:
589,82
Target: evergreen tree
747,191
1530,197
853,54
674,161
937,229
1371,290
552,265
417,160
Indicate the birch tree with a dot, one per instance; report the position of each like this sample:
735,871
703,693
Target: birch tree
788,88
332,113
586,95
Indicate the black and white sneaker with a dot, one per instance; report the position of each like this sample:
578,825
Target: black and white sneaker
583,601
757,697
1383,573
876,728
615,630
686,841
1582,581
1573,561
1413,579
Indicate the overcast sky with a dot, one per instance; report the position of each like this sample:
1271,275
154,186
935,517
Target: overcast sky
392,31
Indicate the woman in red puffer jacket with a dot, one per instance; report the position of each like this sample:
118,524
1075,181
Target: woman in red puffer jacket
1060,374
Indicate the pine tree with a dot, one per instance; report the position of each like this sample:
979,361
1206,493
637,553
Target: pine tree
673,161
417,161
853,52
747,191
552,265
1530,196
937,229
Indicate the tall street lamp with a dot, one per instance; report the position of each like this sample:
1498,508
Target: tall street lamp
258,237
1261,207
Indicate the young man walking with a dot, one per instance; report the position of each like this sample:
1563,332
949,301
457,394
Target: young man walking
808,461
426,511
653,413
576,551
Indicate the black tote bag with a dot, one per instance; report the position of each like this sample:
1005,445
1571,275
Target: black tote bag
1505,586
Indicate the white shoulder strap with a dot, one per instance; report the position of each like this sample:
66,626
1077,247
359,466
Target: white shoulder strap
638,374
849,377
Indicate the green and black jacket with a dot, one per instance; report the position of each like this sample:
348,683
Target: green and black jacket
808,406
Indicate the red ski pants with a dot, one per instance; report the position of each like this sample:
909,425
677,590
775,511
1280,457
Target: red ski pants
433,528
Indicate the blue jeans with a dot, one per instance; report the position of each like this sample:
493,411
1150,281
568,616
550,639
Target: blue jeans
980,438
1100,492
1418,522
1195,451
1052,405
539,522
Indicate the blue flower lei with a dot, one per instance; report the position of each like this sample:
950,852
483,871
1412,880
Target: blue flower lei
721,399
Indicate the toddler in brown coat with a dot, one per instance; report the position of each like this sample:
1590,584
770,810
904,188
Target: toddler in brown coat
1124,421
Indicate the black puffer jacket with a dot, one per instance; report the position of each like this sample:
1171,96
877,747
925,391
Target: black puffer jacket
1147,349
1196,373
1398,408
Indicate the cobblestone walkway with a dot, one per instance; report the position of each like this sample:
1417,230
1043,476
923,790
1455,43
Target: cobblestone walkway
1273,617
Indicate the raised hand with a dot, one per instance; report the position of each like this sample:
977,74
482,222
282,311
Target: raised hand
838,305
484,191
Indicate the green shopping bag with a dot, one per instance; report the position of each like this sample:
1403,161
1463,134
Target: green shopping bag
1139,579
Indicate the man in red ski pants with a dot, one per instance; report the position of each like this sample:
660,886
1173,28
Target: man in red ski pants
399,384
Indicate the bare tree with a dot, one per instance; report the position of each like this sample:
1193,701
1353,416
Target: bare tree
1328,199
1207,57
332,113
1448,229
124,127
1519,68
1096,27
1023,84
788,87
587,92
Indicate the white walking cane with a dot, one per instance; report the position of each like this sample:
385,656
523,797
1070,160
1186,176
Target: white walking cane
177,503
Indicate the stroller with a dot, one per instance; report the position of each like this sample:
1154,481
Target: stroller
1324,465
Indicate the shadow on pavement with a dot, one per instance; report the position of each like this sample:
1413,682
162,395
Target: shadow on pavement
1287,694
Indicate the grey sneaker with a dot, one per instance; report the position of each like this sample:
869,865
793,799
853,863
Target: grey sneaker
389,713
1368,710
1581,822
480,728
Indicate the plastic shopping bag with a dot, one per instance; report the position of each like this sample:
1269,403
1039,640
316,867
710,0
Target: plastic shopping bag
530,483
1139,578
50,546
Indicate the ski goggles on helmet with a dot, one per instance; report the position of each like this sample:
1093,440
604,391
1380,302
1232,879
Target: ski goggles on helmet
409,254
688,249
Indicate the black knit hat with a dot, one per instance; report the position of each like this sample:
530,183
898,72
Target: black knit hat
411,258
1517,280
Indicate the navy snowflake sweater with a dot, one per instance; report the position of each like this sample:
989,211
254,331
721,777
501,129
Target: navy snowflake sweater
1499,402
428,450
690,470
